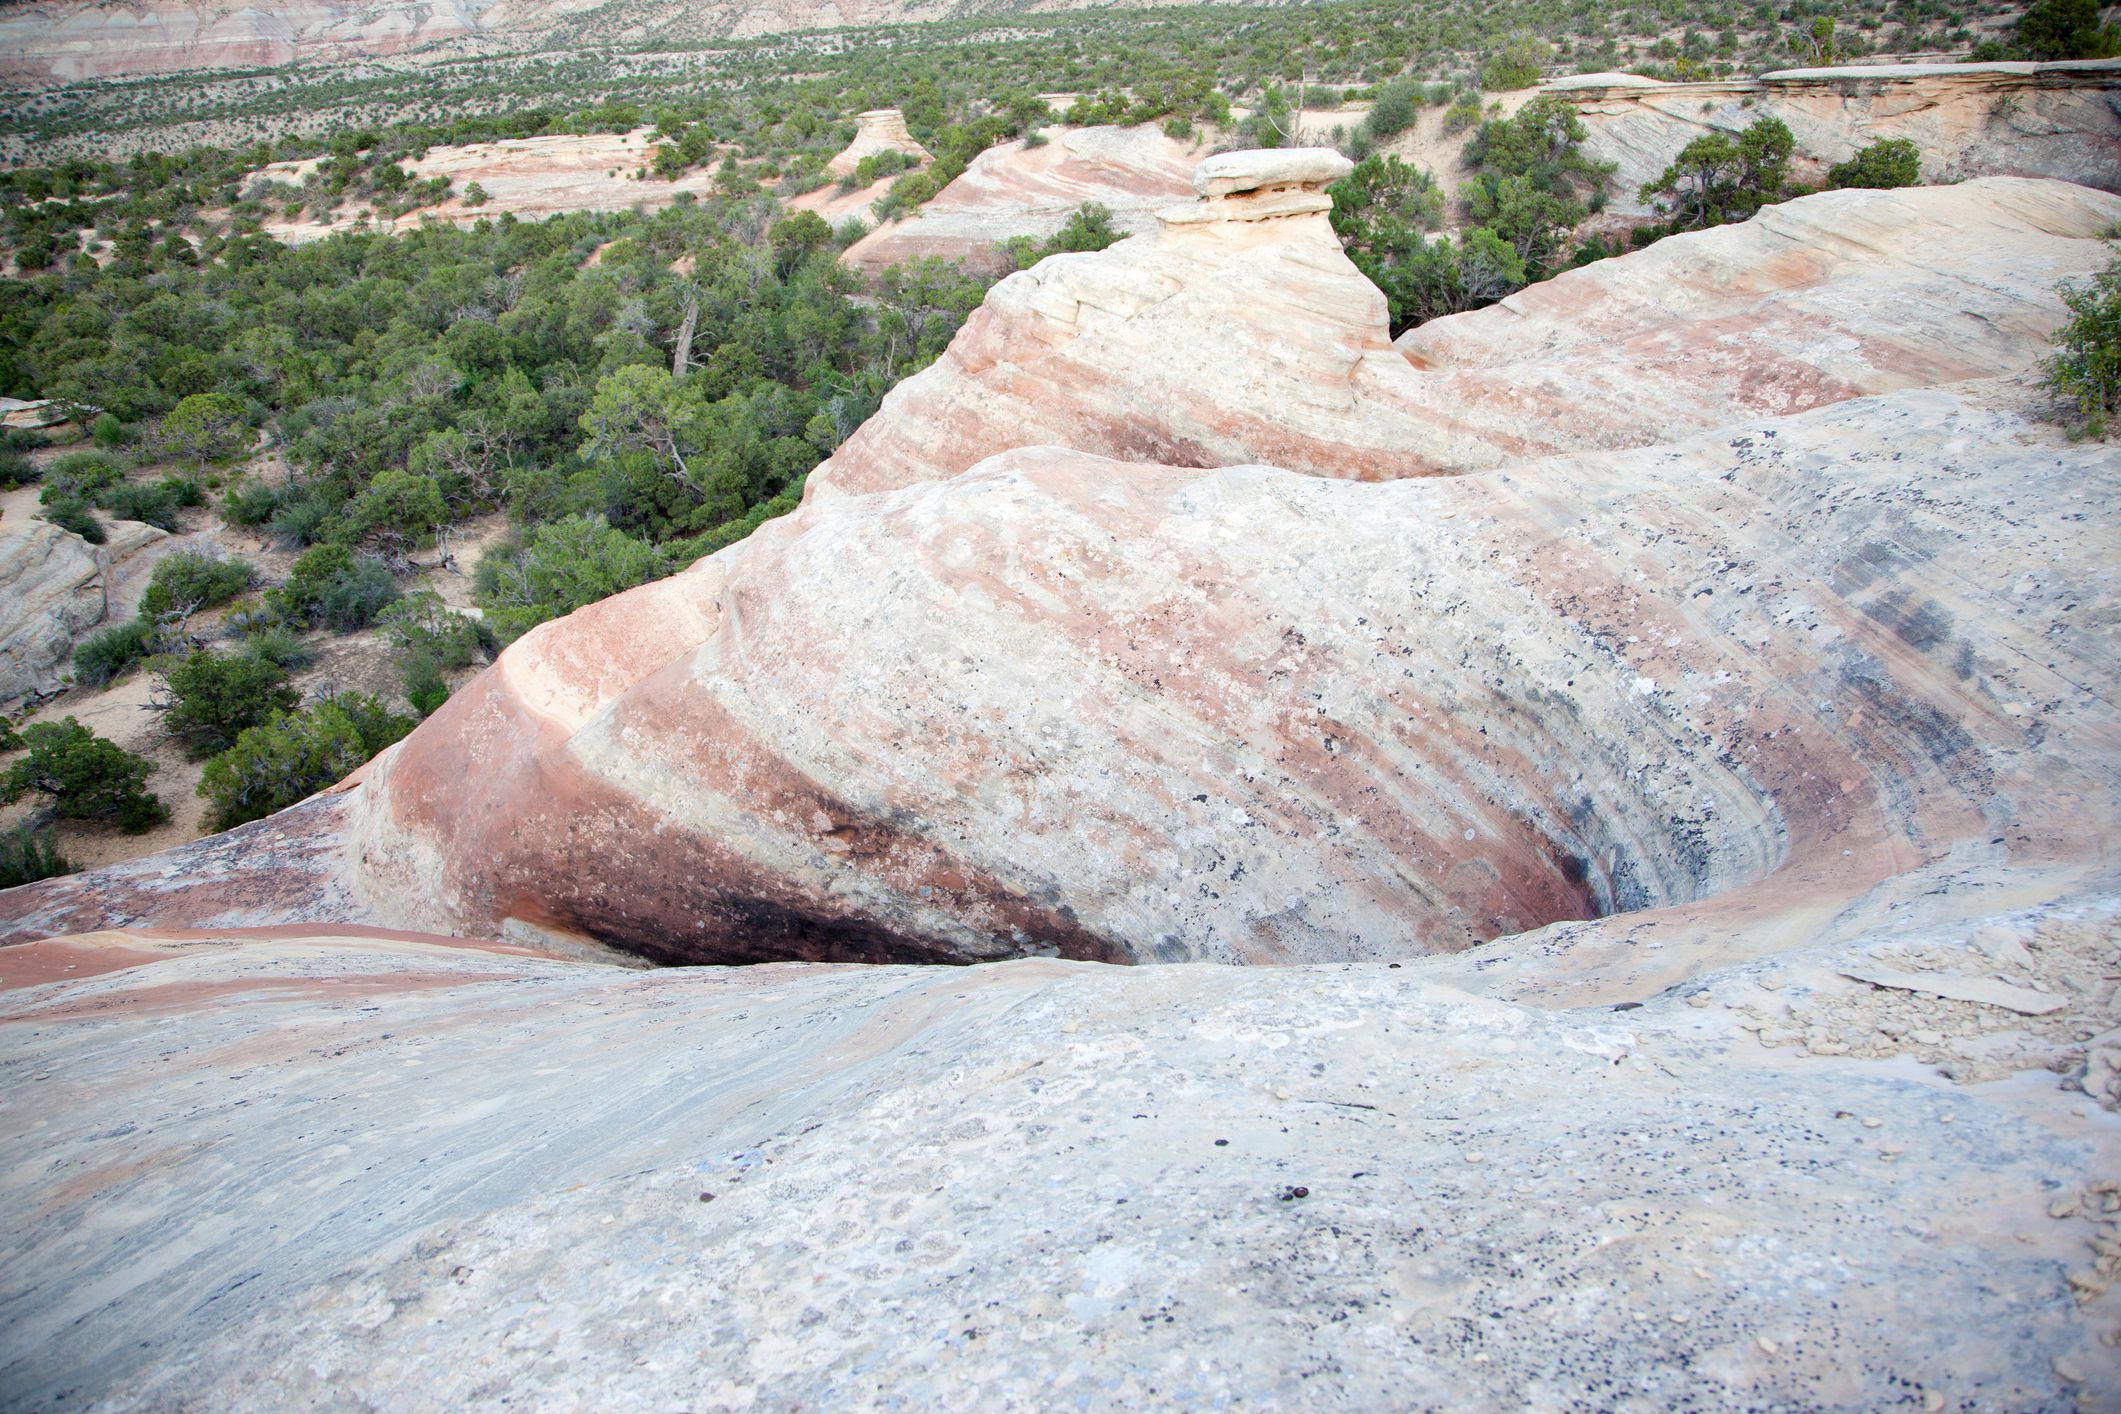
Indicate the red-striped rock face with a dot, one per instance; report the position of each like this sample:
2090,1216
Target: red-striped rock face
1118,709
1066,705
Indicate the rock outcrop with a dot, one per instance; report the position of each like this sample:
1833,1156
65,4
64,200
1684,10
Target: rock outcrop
1813,301
88,39
530,178
1969,120
1013,190
54,586
878,130
1780,734
1218,341
334,1170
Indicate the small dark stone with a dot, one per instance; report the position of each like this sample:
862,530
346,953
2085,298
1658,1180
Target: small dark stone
1391,964
1222,1143
706,1197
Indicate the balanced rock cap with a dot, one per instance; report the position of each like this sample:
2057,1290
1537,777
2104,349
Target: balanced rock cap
1227,173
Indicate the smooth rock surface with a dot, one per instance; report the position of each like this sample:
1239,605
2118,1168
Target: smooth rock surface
330,1170
1133,713
1011,190
879,130
1227,173
54,586
1222,342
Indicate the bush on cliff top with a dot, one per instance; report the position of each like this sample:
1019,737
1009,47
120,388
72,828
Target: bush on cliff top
2085,372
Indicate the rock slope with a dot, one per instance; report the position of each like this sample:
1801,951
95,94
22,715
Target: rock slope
1785,749
1220,341
1011,190
277,1172
1969,120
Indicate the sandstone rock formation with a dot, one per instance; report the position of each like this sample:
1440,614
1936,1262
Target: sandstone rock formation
1969,120
1834,296
1780,734
81,39
301,1170
879,130
1227,340
1012,190
531,178
54,586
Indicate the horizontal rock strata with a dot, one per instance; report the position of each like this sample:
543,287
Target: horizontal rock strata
1968,120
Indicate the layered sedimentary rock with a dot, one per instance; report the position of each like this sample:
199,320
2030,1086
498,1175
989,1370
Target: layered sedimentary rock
1012,190
81,39
1834,296
1219,341
531,178
1969,120
1799,733
53,587
879,130
329,1170
1128,712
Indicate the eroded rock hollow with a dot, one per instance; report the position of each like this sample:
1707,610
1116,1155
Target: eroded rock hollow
1071,702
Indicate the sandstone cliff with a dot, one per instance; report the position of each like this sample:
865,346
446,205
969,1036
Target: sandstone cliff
1969,120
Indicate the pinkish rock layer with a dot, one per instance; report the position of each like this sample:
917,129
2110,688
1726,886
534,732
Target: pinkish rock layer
877,131
1012,190
1134,712
1217,342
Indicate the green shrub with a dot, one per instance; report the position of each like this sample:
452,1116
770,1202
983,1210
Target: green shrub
249,503
280,646
87,777
106,654
2085,372
304,518
15,469
331,587
211,699
27,855
425,686
563,565
1888,162
187,581
83,475
1517,65
206,427
155,503
2066,29
421,621
293,755
72,513
404,507
108,432
1717,178
1395,109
